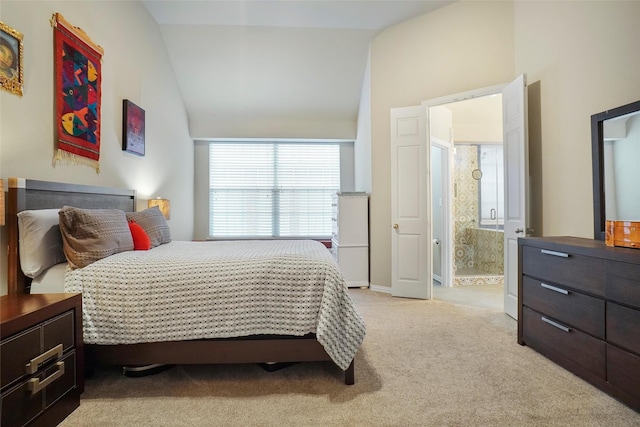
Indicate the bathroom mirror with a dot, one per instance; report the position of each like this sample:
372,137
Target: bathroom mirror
615,144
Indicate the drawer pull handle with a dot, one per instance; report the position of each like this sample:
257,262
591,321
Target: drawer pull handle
35,385
554,253
35,363
555,324
553,288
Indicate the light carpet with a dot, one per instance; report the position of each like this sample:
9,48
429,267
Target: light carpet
422,363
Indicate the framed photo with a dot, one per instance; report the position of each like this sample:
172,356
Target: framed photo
11,59
132,128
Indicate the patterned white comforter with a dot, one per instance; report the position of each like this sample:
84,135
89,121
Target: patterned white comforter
195,290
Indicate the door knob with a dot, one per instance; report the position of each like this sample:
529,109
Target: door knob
519,230
396,226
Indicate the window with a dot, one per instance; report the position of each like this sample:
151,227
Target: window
272,189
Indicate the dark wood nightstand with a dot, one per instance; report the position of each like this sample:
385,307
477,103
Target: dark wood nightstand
42,358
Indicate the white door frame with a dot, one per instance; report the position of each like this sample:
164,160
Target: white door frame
448,237
446,277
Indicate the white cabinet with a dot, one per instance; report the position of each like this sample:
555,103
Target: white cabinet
350,237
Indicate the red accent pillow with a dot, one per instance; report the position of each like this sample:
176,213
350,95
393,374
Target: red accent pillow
141,241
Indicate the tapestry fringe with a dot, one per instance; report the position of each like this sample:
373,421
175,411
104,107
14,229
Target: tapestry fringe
67,158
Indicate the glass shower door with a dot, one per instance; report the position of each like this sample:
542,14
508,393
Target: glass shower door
479,214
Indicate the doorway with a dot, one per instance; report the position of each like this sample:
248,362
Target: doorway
475,232
411,228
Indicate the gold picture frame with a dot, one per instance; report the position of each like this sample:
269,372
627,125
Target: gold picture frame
11,60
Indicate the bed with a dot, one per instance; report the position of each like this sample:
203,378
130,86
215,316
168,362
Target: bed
329,329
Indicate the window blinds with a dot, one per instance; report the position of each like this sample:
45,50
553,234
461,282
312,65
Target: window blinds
272,189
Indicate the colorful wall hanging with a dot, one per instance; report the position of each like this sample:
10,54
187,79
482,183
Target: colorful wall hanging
77,88
11,57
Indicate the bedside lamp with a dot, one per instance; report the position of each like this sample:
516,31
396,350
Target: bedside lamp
1,201
163,204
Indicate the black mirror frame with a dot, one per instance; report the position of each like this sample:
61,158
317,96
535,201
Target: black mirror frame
597,154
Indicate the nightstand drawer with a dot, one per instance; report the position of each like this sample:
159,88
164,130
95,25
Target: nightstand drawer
42,358
65,383
575,309
20,404
59,331
623,327
575,271
18,351
563,344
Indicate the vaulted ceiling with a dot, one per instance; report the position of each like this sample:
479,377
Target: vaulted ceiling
273,62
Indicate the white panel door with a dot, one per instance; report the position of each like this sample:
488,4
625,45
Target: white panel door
516,209
410,204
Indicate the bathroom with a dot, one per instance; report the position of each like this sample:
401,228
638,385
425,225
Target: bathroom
478,214
470,244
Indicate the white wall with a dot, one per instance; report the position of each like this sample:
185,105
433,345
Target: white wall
243,64
135,66
464,46
477,119
362,145
585,58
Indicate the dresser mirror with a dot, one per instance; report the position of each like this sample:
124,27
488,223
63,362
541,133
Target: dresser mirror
615,140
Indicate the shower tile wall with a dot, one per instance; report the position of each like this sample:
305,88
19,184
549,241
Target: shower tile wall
465,206
477,251
489,250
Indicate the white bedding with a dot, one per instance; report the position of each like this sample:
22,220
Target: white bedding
194,290
51,281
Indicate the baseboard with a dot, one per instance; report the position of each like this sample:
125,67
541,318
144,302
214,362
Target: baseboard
378,288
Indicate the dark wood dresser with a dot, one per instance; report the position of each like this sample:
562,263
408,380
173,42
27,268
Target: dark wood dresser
579,305
41,358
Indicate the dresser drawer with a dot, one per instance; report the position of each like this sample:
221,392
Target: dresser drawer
572,308
568,347
623,327
354,264
575,271
17,351
623,371
623,282
20,405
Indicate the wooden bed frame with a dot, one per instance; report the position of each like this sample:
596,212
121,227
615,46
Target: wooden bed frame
26,194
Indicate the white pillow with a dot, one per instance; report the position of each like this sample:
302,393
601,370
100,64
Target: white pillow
40,241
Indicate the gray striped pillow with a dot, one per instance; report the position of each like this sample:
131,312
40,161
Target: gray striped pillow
154,224
89,235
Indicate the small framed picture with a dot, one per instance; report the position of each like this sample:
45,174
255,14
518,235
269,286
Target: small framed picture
132,128
11,58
